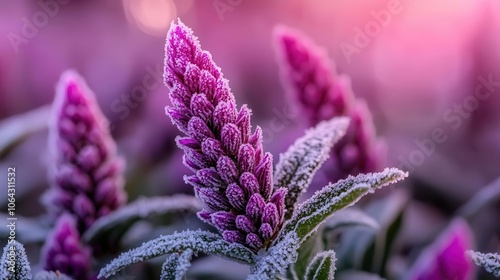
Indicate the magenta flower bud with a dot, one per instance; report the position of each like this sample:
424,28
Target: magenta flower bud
266,231
212,199
233,176
224,220
321,94
244,224
87,179
236,197
64,251
255,207
249,183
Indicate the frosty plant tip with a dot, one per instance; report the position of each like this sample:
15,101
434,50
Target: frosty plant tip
233,177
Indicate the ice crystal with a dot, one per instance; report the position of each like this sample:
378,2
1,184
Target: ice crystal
300,162
87,174
15,264
233,176
489,261
322,267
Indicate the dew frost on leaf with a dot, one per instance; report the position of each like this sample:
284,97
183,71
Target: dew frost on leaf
278,258
15,264
176,265
489,261
299,163
142,208
322,267
335,197
198,241
51,275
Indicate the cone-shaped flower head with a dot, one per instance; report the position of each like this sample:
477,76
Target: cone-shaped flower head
14,262
233,176
446,259
64,252
86,172
321,94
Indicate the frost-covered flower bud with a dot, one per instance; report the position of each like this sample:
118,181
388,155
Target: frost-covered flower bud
86,174
233,176
321,94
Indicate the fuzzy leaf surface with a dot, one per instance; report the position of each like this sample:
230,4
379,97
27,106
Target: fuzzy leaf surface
322,267
334,197
176,265
300,162
197,241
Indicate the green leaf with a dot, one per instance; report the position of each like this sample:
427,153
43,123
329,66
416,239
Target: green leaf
300,162
333,198
15,129
15,264
176,265
357,275
490,262
389,213
123,218
322,267
197,241
310,248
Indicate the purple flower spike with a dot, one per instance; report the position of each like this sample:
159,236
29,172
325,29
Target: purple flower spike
86,174
321,94
64,252
445,259
233,176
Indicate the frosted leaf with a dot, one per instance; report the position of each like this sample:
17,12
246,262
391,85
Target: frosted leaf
278,258
51,275
176,265
489,261
140,209
335,197
15,264
300,162
198,241
322,267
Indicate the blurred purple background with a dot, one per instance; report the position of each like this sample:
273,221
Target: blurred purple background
429,71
